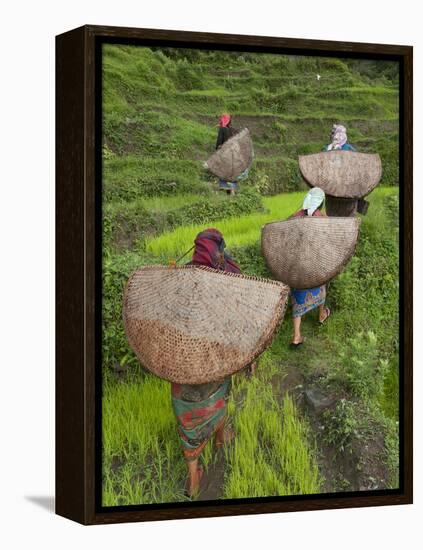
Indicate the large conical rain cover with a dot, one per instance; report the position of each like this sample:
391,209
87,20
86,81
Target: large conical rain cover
342,173
194,325
307,252
233,157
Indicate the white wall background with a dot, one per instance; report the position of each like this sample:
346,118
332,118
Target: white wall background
27,271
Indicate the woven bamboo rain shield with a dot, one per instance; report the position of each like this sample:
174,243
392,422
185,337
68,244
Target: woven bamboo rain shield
233,157
308,252
194,325
342,173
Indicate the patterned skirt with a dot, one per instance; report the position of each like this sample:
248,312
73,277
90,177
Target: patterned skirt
306,300
199,420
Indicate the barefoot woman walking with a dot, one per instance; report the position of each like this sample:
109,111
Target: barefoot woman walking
200,409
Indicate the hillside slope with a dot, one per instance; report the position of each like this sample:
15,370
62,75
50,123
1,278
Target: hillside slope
161,109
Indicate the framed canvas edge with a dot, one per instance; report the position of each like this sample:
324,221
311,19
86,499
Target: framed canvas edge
76,222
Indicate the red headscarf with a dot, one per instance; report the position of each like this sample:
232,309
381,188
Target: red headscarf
209,251
224,120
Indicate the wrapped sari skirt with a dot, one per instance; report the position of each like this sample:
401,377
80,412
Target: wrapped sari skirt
307,299
198,420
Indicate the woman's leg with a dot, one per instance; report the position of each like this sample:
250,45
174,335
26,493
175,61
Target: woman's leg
194,477
297,330
223,435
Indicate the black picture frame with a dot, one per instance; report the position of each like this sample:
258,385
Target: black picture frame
78,273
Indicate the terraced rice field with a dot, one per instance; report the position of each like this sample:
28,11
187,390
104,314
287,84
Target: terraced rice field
160,112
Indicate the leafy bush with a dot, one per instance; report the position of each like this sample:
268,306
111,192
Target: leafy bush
115,347
360,370
341,425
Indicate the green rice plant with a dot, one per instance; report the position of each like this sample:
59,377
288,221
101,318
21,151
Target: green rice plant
168,203
139,434
271,454
238,231
126,222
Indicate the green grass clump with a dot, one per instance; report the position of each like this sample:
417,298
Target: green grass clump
239,231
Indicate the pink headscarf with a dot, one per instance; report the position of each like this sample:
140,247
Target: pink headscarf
224,120
338,136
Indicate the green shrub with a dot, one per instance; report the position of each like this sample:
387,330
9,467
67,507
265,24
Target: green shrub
360,371
187,78
341,425
369,285
250,260
282,175
115,348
